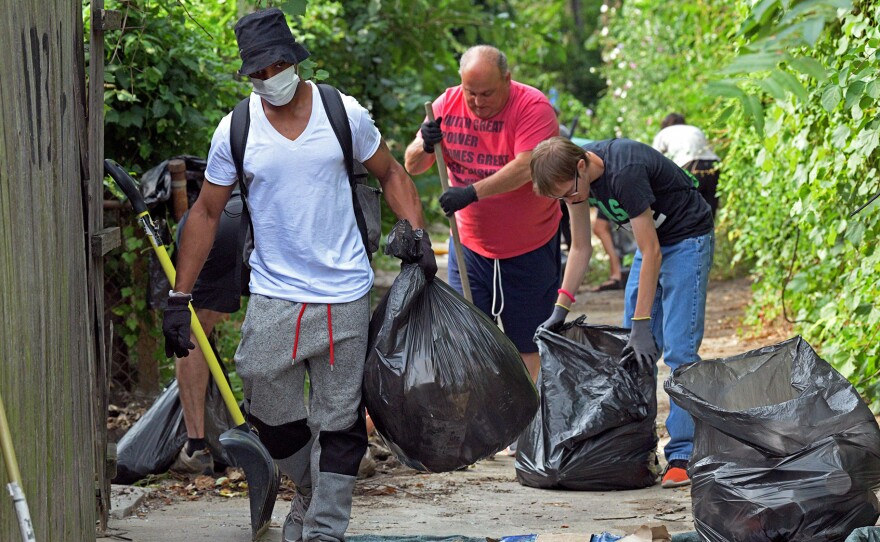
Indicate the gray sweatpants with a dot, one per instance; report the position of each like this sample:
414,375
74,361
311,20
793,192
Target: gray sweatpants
332,422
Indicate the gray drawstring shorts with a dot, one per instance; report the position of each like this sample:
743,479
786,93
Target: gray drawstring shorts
330,420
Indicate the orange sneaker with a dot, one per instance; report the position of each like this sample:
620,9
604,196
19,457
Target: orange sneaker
676,474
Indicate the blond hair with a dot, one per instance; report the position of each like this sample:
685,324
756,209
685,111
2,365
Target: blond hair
554,161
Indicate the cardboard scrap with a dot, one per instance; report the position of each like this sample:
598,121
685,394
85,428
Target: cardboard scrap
648,534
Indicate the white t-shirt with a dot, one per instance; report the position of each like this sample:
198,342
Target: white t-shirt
307,247
683,143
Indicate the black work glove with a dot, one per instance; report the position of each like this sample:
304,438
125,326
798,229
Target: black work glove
556,319
431,134
175,326
641,340
456,199
427,263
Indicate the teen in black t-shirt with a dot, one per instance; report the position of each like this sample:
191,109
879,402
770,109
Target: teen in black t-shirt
635,177
638,188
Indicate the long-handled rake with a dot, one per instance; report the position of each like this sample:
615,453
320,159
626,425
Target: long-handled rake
242,444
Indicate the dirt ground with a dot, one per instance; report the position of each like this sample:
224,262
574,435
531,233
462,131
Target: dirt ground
485,499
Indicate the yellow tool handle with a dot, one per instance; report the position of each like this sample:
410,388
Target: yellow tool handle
197,330
453,223
6,446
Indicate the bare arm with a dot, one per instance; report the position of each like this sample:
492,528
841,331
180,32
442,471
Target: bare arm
579,253
415,159
400,191
198,235
507,179
649,246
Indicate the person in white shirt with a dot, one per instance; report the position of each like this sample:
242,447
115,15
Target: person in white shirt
688,147
310,273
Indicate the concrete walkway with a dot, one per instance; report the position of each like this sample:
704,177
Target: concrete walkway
484,500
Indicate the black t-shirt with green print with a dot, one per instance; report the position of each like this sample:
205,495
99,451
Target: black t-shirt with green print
637,177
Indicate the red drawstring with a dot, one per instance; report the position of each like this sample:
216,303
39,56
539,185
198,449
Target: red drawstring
329,332
296,337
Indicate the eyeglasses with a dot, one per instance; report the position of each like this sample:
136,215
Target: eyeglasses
574,191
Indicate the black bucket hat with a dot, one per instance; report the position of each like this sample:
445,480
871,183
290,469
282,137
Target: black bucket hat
264,38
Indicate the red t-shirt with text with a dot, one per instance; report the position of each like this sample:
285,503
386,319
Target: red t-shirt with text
513,223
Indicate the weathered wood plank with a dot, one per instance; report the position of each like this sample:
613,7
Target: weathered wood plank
45,342
100,19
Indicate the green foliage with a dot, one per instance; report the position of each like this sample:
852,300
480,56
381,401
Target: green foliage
658,56
816,163
169,78
788,90
131,308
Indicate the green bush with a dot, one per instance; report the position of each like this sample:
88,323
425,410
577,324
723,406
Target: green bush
169,79
788,91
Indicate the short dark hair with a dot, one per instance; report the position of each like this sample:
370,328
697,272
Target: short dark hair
672,118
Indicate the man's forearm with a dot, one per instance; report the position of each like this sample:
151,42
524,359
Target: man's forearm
402,196
507,179
416,160
195,245
648,277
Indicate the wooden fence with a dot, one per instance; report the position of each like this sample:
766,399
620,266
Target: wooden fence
49,362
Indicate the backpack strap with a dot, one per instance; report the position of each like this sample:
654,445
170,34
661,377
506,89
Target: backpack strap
335,110
238,134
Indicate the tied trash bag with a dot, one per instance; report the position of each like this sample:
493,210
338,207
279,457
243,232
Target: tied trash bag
151,445
595,427
155,183
443,385
784,447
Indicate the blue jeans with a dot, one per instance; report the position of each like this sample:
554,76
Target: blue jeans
677,318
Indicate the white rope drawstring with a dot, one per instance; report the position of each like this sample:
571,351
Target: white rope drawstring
497,288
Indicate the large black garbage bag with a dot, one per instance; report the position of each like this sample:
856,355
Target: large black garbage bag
784,448
444,386
595,428
151,445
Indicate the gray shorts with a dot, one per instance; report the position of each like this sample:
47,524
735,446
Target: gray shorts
274,381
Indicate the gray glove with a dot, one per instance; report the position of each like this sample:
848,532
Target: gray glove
641,340
556,320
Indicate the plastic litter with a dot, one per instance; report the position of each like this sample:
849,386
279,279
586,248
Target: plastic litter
155,183
595,428
784,448
443,385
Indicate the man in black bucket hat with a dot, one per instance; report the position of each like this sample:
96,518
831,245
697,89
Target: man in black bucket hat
310,273
264,38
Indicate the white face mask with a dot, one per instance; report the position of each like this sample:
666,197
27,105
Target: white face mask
279,89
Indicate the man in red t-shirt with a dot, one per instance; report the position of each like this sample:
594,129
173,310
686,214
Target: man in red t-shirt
489,125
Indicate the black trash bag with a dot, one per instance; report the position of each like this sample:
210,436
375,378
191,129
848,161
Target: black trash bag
595,428
158,284
784,447
155,183
443,385
151,445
